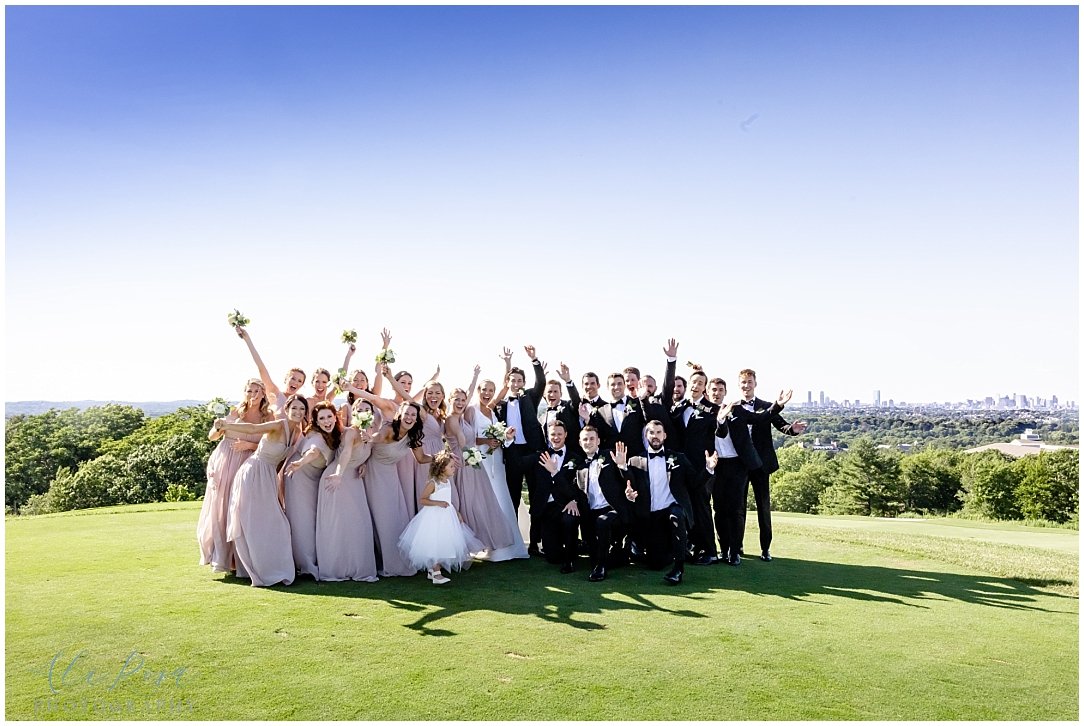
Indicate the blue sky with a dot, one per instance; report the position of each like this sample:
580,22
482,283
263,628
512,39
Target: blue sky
843,198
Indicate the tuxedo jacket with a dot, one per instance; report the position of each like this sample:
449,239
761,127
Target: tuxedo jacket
632,427
657,407
762,433
611,480
568,414
737,426
602,418
541,485
681,474
528,410
697,436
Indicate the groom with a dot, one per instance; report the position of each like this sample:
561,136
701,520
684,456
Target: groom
519,411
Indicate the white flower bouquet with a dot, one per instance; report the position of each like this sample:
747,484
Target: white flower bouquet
350,336
387,355
473,457
218,406
237,320
496,431
362,419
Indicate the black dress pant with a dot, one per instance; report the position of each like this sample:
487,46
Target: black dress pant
667,537
728,499
558,531
702,535
602,531
515,472
758,479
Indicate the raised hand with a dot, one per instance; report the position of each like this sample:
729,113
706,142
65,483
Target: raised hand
530,352
784,396
544,366
506,355
585,411
563,372
620,455
630,493
549,463
671,348
798,427
385,337
477,370
725,411
711,459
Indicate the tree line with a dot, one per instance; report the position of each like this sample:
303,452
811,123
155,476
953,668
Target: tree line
115,454
873,481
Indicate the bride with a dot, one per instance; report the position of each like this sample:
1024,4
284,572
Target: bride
494,460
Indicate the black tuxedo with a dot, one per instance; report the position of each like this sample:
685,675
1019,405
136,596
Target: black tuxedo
665,529
532,433
556,529
602,418
697,437
657,407
632,426
603,527
767,416
732,476
568,414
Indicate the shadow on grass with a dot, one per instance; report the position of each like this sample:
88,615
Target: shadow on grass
532,587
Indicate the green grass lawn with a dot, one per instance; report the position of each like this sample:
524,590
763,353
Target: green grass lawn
108,616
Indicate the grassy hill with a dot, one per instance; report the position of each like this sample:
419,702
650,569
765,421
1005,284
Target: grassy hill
108,616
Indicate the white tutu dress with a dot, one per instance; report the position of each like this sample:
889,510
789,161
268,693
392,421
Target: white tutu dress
436,536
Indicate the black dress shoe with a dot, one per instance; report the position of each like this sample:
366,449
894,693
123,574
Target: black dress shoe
765,556
598,574
705,559
533,550
673,577
734,561
567,568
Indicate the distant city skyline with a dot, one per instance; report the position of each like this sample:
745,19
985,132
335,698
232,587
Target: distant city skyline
844,198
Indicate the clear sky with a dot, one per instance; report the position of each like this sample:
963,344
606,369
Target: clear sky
846,199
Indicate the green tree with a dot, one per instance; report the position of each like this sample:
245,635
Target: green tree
869,482
800,491
1049,485
989,485
931,480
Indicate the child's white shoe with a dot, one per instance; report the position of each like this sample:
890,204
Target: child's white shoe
439,579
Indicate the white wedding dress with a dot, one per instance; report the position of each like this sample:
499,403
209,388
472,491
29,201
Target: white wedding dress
494,466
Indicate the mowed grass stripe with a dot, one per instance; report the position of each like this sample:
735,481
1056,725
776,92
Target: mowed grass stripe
834,628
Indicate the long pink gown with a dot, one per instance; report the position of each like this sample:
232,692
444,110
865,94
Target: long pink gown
344,525
222,466
301,495
432,442
477,502
388,504
257,525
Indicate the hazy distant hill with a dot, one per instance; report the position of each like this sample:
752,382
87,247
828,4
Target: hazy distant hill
151,408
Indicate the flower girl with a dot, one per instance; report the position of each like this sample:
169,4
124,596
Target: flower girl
437,536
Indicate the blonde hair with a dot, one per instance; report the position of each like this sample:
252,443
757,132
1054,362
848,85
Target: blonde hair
264,406
440,411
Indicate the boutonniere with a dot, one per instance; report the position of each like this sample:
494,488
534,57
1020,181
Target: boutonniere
671,463
696,413
630,407
570,465
560,410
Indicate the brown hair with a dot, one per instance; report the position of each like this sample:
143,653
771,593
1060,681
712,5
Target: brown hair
747,372
332,438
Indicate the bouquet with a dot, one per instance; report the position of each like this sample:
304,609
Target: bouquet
362,419
496,431
473,457
350,336
237,320
340,378
386,356
219,407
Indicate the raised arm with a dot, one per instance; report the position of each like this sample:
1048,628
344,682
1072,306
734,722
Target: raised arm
671,372
265,377
473,381
573,394
377,384
386,407
539,374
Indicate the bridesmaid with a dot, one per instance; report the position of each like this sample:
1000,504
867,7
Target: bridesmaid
258,526
321,381
494,461
295,377
344,525
302,481
226,459
478,505
359,379
384,490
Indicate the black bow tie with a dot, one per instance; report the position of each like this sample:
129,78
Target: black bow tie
590,459
652,454
618,402
552,408
558,452
750,404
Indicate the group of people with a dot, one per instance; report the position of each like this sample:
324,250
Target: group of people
430,481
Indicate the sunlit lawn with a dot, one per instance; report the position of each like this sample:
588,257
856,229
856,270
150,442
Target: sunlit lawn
108,616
